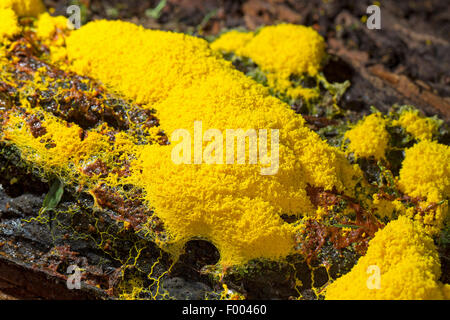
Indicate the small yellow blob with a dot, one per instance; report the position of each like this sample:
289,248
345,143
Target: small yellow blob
47,25
420,127
369,138
280,51
386,208
425,173
8,24
286,49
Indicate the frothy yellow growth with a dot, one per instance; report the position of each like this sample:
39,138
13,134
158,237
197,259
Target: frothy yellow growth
51,31
157,62
281,51
408,263
232,41
8,24
369,137
425,173
286,49
233,206
386,208
24,8
218,203
47,25
421,128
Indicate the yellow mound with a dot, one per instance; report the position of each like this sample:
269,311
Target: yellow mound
8,24
234,206
407,262
46,25
425,173
281,51
421,128
284,49
369,137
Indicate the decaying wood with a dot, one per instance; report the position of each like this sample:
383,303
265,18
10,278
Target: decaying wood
399,86
19,280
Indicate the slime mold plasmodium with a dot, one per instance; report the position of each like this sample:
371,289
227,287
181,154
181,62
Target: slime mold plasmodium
232,41
295,49
419,127
401,263
369,138
8,24
12,10
231,205
218,202
281,51
425,174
